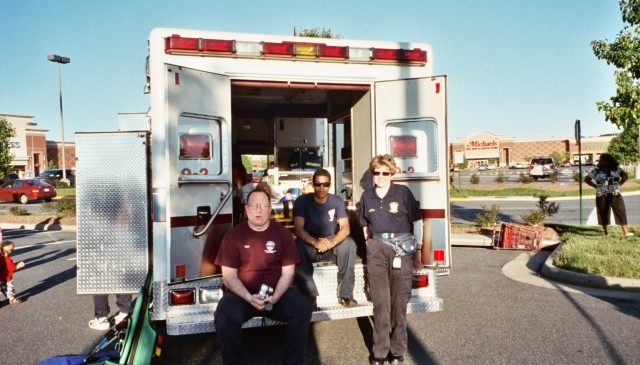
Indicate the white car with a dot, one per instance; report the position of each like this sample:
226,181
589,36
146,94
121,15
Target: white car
482,167
491,167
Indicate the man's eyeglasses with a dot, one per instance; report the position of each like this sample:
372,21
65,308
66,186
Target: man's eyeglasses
256,205
384,173
318,184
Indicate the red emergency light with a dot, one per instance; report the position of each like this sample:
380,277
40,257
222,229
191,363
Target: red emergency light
177,43
277,49
415,55
296,50
333,52
218,46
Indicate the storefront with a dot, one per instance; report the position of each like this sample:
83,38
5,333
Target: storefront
485,148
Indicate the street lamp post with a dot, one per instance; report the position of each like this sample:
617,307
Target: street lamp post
61,60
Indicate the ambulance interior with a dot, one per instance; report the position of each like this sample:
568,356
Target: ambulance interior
294,130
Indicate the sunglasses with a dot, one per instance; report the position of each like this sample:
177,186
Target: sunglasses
384,173
318,184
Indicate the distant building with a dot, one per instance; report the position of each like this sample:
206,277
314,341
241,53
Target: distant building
32,152
482,148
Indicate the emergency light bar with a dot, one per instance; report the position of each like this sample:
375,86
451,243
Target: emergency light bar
293,50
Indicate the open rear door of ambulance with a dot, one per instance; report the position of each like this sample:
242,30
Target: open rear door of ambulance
411,125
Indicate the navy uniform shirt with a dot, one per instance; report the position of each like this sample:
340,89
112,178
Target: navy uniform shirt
395,213
320,220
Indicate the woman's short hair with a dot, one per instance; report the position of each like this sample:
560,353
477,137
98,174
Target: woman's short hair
383,160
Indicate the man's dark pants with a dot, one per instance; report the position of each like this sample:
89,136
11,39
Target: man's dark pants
343,255
232,311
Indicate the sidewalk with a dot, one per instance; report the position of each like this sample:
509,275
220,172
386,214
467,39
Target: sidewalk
547,275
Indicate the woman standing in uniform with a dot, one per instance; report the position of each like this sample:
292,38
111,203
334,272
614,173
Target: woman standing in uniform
392,224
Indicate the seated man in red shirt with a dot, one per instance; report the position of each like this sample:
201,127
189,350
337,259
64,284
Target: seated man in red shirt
255,256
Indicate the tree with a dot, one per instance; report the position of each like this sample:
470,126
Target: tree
315,33
623,110
624,147
6,157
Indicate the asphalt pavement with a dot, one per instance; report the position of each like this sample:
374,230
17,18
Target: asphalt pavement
520,269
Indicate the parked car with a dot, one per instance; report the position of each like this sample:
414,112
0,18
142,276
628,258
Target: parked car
566,163
26,190
482,167
491,167
9,177
521,165
542,167
53,176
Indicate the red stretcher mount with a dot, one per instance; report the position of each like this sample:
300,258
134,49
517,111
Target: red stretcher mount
516,236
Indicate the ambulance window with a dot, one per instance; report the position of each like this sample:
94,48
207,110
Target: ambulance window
195,146
199,142
414,145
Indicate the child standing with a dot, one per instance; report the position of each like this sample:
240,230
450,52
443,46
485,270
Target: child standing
7,267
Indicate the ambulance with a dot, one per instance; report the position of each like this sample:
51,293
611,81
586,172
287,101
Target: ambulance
157,201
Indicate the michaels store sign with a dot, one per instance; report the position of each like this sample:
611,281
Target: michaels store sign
482,145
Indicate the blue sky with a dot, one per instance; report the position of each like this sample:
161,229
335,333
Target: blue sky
516,68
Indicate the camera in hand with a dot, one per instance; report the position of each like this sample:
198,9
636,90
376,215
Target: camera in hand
264,291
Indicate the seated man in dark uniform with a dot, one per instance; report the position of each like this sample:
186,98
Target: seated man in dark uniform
315,219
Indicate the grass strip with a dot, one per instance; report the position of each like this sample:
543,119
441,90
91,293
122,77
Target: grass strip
587,251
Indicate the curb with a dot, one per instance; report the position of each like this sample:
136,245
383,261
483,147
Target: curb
40,227
552,272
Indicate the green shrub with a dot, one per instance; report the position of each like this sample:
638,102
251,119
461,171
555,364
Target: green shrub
525,178
576,177
545,209
501,178
553,178
474,179
48,207
66,208
62,185
18,211
488,217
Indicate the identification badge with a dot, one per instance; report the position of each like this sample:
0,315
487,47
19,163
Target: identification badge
397,263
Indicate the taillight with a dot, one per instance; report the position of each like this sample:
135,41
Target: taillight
552,167
420,281
182,297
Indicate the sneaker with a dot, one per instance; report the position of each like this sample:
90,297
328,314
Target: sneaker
629,234
348,302
120,317
99,323
15,300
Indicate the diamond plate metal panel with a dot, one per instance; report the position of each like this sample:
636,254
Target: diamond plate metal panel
112,200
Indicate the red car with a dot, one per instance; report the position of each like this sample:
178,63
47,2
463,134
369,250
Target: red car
26,190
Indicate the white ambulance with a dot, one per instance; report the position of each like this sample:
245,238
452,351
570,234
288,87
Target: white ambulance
159,201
